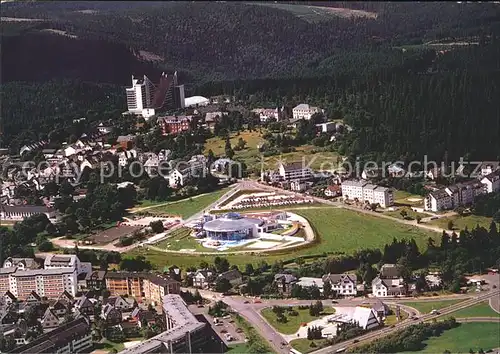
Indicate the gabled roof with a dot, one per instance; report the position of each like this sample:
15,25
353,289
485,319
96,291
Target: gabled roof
34,296
49,313
287,278
10,295
340,278
230,275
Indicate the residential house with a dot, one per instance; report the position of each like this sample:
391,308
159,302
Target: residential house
84,305
370,173
390,271
267,113
143,317
49,319
60,308
33,298
21,263
203,278
233,276
388,287
125,141
183,172
489,167
121,303
434,173
342,284
95,280
126,156
381,309
111,315
284,283
333,190
304,111
396,171
327,127
9,298
308,282
491,182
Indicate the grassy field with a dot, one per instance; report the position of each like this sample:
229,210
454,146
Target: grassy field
467,336
410,214
339,231
345,231
428,306
401,197
303,345
188,207
482,309
241,348
294,322
460,222
181,239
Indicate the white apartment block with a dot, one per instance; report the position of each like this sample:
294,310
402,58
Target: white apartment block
367,192
304,111
140,97
460,194
294,171
183,172
67,260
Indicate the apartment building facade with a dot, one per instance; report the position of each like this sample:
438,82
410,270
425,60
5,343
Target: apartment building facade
141,284
174,124
297,171
156,287
367,192
304,111
45,282
460,194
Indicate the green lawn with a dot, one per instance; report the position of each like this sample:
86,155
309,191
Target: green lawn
427,306
460,222
188,207
482,309
401,197
303,345
108,345
241,348
294,322
465,337
181,239
410,214
345,231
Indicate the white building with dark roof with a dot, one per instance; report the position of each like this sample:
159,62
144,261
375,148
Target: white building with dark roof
294,171
367,192
304,111
20,212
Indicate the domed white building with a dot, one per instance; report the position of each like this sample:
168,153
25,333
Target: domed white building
232,227
196,100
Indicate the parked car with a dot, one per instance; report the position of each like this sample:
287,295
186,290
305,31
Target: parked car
223,331
239,330
246,302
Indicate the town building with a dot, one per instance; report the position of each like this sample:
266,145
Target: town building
126,283
20,263
157,286
342,284
46,282
327,127
233,276
491,182
367,192
489,167
308,282
388,287
203,278
267,113
294,171
174,124
184,334
20,212
185,171
333,190
284,283
72,337
144,97
460,194
67,261
196,101
304,111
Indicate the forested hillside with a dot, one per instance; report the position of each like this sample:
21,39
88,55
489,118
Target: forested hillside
418,78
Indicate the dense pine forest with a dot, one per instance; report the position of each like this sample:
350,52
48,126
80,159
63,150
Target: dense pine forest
413,79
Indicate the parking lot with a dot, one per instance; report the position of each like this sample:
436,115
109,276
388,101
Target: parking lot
225,327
